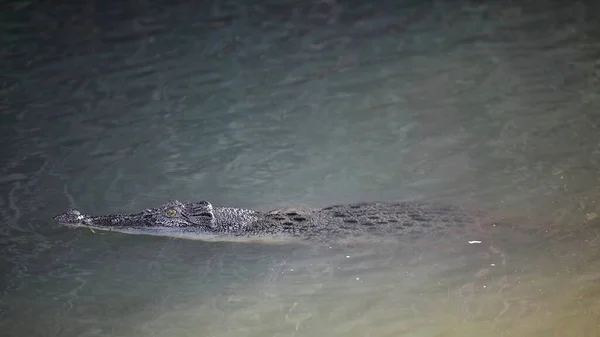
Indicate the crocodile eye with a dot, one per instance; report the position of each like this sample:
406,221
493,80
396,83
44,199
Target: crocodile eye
171,212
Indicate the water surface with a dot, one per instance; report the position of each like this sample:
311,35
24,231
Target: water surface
114,107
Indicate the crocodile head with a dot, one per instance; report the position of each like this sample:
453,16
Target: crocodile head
194,219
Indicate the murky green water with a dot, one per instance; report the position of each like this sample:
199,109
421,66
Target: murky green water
117,107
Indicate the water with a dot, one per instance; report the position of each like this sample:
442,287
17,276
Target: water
113,107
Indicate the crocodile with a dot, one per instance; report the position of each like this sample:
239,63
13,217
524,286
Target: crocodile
200,220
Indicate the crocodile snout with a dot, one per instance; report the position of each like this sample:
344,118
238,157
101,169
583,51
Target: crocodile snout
71,217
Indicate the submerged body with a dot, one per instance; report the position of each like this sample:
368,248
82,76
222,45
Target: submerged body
200,220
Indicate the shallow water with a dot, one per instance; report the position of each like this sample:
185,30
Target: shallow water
117,107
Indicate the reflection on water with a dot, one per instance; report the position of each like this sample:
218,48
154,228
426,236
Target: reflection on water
116,107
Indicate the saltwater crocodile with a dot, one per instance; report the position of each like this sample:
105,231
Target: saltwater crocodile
200,220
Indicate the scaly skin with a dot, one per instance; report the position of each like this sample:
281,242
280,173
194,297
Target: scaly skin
200,220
